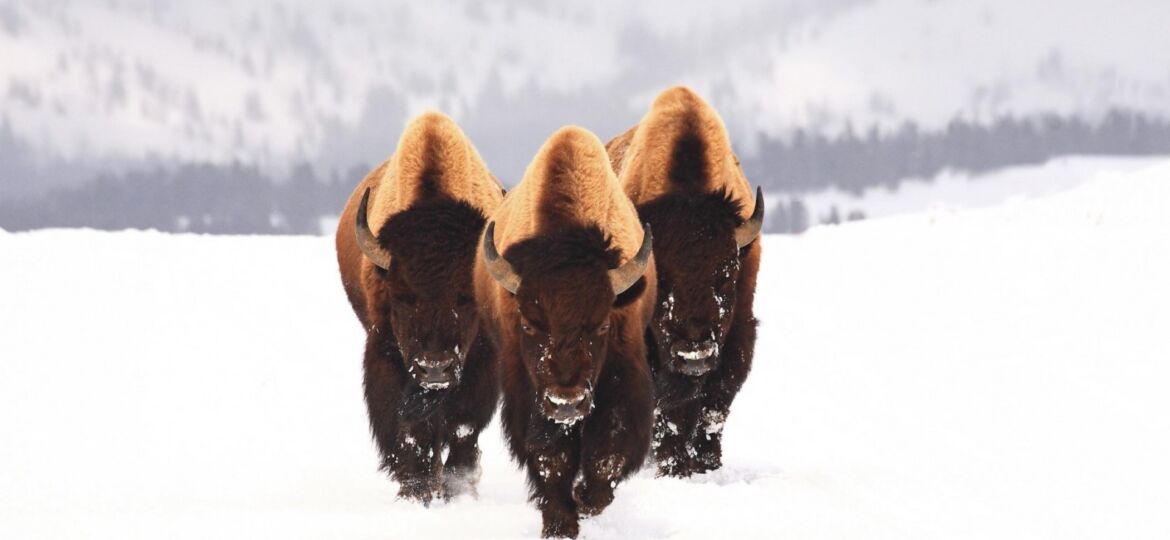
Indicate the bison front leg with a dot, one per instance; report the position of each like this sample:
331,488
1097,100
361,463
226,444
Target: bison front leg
674,430
382,380
551,469
708,441
418,464
470,410
461,472
718,394
614,443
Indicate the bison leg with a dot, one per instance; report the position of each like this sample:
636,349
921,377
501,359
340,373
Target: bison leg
407,450
418,464
718,394
708,441
674,430
383,392
470,410
551,469
461,472
615,440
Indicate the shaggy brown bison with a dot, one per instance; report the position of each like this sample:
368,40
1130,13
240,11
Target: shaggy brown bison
406,246
566,277
678,168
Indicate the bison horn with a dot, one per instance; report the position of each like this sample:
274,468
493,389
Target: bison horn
627,275
366,239
497,266
747,233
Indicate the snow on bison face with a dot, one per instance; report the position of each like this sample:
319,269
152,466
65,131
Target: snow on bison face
698,260
566,289
424,257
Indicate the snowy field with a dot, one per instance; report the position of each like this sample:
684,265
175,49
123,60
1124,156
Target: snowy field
958,191
990,373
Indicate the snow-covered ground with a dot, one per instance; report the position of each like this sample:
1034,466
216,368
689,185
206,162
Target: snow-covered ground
991,373
959,190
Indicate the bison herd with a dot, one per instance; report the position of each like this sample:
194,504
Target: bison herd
606,299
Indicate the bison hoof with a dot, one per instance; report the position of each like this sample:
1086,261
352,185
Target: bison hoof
592,499
460,483
419,491
676,466
685,468
709,455
706,463
675,471
560,525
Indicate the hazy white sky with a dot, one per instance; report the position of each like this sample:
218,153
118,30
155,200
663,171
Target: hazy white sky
273,83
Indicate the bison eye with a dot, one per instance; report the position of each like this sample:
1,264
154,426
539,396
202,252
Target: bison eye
601,330
463,300
527,328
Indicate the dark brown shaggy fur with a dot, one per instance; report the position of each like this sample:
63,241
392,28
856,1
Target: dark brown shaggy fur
678,167
427,207
565,333
565,299
434,247
410,309
706,286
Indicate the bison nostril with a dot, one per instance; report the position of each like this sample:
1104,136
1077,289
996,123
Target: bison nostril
435,370
435,366
567,407
694,358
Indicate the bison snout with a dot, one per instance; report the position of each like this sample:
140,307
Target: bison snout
694,358
567,407
436,370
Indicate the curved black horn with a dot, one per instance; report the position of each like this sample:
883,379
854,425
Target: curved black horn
497,266
627,275
366,240
747,233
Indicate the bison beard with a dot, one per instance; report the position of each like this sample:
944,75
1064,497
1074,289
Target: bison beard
573,469
434,244
694,250
412,426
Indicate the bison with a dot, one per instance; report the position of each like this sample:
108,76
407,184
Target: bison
678,168
566,276
406,245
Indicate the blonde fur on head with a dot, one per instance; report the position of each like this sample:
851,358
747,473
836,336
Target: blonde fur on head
644,155
570,181
432,149
433,157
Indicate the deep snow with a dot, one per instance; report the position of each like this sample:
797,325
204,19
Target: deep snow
992,373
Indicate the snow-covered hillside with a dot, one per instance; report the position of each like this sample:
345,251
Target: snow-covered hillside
992,373
269,83
949,190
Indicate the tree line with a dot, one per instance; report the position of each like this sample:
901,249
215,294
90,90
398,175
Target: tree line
807,162
196,198
241,199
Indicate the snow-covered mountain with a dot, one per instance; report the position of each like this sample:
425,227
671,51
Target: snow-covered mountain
274,83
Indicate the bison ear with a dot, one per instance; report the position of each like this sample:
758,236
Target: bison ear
628,296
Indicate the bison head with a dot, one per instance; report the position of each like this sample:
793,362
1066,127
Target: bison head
698,261
428,285
566,287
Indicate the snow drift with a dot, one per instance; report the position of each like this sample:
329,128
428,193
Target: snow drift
994,373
